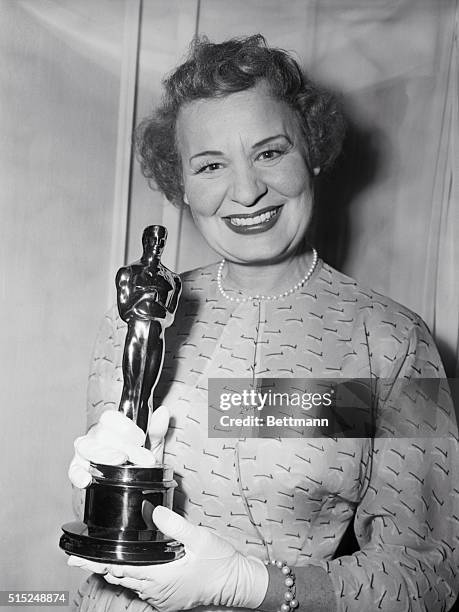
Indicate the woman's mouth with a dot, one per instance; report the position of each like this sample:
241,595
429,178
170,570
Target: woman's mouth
255,223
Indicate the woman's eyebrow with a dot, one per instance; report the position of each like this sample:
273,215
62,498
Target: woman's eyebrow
266,140
201,153
255,146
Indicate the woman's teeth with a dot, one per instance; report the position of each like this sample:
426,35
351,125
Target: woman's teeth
266,216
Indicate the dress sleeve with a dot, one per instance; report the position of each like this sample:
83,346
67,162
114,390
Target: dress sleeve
106,376
407,521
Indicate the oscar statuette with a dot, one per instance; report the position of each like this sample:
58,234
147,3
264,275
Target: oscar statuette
117,525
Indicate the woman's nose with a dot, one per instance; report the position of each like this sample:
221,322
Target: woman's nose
247,188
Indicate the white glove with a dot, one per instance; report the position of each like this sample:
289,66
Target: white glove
116,439
212,572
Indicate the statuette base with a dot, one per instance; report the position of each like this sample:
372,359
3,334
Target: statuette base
77,541
118,525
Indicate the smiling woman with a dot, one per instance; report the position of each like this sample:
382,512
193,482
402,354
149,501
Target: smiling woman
245,176
213,72
250,133
239,138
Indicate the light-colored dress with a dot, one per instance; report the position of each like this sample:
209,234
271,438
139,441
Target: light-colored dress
292,498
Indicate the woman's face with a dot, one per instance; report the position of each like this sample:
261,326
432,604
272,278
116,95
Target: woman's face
244,174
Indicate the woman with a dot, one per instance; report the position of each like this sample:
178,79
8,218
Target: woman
240,138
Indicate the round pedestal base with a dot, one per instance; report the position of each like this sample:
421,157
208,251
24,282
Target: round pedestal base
77,541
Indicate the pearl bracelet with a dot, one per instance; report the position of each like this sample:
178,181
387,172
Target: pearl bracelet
290,602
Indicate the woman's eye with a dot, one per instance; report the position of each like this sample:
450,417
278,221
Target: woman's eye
209,168
270,154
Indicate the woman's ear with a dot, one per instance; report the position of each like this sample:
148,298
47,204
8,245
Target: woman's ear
185,199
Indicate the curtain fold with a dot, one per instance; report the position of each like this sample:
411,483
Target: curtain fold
441,288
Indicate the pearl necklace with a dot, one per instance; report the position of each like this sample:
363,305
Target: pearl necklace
248,298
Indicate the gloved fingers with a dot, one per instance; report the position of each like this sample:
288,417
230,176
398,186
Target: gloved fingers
107,437
123,426
138,455
130,583
89,566
109,448
117,571
90,449
138,586
157,430
162,573
159,423
78,502
114,430
175,526
197,540
133,572
157,451
79,472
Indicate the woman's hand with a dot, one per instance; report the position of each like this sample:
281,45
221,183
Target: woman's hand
116,439
212,572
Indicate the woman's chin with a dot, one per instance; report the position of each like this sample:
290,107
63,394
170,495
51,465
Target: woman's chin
259,257
261,249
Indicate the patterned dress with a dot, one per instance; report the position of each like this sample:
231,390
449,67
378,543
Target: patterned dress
292,498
